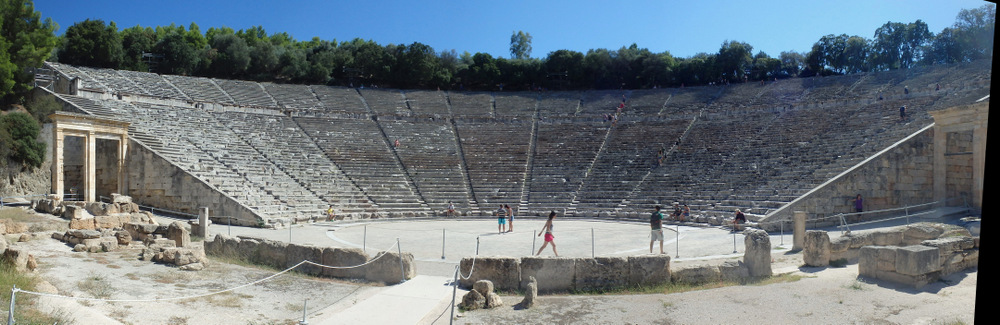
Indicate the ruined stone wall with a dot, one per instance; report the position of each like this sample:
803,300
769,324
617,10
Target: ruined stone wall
901,175
914,255
386,268
154,181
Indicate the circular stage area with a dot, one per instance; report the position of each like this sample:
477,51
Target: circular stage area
450,240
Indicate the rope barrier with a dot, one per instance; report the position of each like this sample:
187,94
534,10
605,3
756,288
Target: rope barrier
160,299
471,269
383,253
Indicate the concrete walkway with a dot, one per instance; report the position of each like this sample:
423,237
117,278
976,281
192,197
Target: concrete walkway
406,303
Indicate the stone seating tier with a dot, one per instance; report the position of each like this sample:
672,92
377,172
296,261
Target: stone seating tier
750,146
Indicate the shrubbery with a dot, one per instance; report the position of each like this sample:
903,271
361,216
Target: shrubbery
19,139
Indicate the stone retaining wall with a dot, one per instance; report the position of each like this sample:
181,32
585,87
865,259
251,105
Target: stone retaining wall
283,255
154,181
900,175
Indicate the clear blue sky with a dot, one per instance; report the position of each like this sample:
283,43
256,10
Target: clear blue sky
684,28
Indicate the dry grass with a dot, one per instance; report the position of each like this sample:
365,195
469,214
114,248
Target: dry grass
97,286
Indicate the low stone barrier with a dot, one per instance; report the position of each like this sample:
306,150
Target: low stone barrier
282,255
559,274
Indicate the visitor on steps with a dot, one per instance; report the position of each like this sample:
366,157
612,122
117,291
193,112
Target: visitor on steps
738,220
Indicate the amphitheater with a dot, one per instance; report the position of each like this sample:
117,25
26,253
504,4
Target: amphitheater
271,156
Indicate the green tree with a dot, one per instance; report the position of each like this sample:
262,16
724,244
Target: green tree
229,56
520,45
92,43
25,41
136,41
734,59
564,68
974,32
179,56
791,63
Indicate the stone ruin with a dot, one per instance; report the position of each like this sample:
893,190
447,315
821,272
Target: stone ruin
105,227
914,255
481,296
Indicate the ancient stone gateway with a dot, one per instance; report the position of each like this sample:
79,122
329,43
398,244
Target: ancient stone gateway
91,138
960,152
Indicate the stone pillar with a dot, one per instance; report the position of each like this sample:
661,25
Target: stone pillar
57,161
201,228
978,162
90,168
757,256
817,248
798,230
122,151
940,163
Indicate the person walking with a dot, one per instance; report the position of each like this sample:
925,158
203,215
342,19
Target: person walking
656,234
549,238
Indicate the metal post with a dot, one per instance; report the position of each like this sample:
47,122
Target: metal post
399,250
781,227
593,244
10,314
533,239
677,243
454,292
364,240
289,232
734,241
304,322
477,245
442,243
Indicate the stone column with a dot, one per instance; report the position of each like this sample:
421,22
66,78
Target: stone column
122,151
940,163
201,229
57,161
978,163
90,168
798,230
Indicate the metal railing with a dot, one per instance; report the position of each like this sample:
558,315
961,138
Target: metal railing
4,198
907,211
